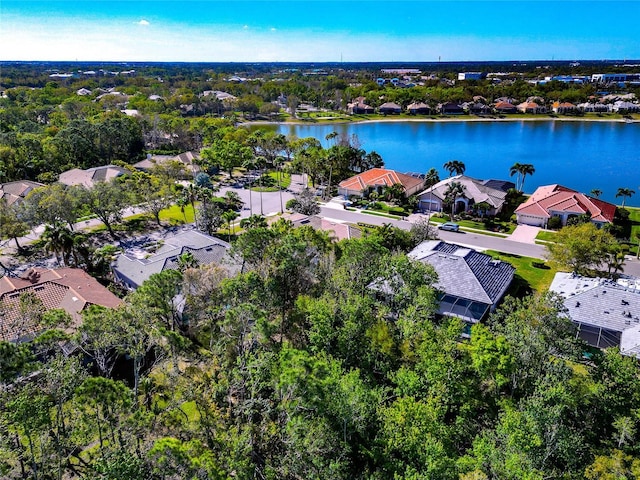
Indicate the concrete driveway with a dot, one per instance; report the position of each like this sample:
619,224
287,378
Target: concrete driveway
525,234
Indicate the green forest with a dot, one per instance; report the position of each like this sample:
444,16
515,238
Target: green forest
297,367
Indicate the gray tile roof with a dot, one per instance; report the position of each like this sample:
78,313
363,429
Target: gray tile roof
465,273
134,267
598,302
490,191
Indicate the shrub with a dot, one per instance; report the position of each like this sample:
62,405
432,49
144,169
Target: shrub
554,223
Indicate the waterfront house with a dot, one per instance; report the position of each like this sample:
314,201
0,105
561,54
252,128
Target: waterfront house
476,108
505,107
450,108
69,289
16,192
136,265
471,283
558,201
563,107
359,107
621,106
377,179
606,313
418,108
390,108
531,107
88,178
590,107
493,193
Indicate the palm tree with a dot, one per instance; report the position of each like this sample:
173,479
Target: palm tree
454,190
522,169
187,260
229,216
59,241
454,166
596,192
624,193
254,221
431,178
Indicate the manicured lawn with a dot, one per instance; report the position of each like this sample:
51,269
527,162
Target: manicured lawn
528,276
546,236
174,215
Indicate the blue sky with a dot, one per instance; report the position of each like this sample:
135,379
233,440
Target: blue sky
223,31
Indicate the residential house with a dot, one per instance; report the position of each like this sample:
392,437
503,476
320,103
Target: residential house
418,108
83,92
15,192
377,179
390,108
558,201
358,106
621,106
531,107
91,176
69,289
188,159
491,192
136,265
505,107
471,283
450,108
606,313
563,107
476,108
337,229
591,107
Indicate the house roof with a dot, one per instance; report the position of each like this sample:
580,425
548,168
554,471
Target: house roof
504,106
187,158
136,265
337,229
478,190
391,105
417,106
380,177
603,303
556,198
464,272
89,177
70,289
16,191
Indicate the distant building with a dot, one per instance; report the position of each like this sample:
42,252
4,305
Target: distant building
606,313
418,108
471,283
390,108
471,75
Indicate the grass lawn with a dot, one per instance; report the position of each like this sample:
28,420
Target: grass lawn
174,215
546,236
531,273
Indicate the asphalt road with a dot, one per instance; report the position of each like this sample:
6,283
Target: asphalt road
474,240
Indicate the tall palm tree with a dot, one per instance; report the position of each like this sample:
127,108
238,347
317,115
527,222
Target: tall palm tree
596,192
454,190
522,170
431,178
58,240
229,216
624,193
454,166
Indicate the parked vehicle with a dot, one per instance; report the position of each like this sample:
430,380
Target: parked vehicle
450,226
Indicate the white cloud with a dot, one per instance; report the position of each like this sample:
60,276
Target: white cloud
273,29
246,27
143,22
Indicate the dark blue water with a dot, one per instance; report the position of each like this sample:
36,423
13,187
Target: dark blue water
579,155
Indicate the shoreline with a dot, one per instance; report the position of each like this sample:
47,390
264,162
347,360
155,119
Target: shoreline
462,118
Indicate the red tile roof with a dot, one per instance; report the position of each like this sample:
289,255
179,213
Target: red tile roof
70,289
556,198
380,177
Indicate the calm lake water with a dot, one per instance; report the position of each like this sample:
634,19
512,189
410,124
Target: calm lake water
579,155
